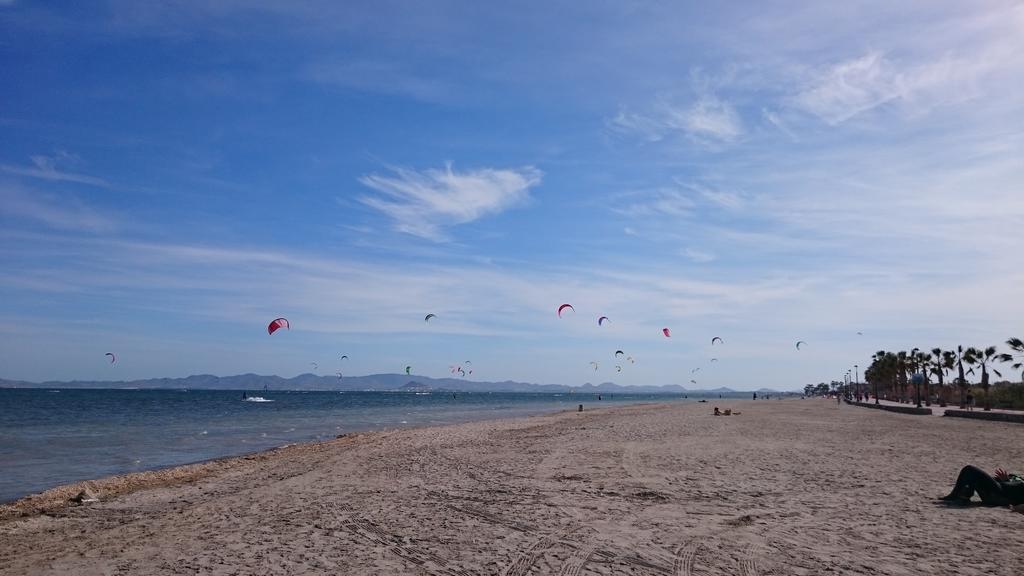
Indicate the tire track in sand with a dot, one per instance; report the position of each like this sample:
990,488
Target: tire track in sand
423,560
685,555
521,565
528,557
573,565
748,567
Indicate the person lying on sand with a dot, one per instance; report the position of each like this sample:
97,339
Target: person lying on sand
1004,489
728,412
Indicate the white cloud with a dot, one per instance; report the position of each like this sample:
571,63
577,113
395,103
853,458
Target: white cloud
631,123
849,88
46,168
660,202
709,118
423,203
380,77
62,213
855,86
708,121
775,120
721,198
698,256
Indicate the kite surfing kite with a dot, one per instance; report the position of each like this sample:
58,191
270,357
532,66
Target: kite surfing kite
462,372
601,320
666,332
314,365
339,375
630,358
720,341
618,368
714,359
428,317
695,370
112,357
594,364
799,343
563,307
408,369
619,353
693,381
278,323
344,357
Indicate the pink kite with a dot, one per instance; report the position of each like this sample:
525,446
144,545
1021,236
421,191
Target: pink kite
666,332
278,323
563,307
601,320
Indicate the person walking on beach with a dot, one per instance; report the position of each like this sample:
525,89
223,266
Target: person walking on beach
1002,490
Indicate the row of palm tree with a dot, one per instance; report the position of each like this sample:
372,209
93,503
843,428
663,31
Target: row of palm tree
895,371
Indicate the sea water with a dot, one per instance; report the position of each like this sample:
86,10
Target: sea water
53,437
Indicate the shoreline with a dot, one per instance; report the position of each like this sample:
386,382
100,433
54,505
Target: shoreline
790,487
103,488
468,414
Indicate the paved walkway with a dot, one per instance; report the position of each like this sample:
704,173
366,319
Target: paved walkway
940,411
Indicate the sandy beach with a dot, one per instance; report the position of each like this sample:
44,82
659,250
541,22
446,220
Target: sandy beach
786,487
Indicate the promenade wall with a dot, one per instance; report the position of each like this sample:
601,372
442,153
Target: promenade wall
901,409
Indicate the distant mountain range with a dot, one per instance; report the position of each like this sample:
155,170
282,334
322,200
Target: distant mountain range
373,382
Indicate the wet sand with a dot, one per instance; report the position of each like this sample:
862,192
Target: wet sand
787,487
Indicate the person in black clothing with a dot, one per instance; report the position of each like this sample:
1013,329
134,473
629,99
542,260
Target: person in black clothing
1004,489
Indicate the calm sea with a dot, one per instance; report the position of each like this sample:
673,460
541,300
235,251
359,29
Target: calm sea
53,437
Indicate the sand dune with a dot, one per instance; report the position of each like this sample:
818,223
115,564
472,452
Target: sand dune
788,487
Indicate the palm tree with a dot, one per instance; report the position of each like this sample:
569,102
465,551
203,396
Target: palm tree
1017,345
884,371
958,359
983,358
942,361
901,373
922,360
876,373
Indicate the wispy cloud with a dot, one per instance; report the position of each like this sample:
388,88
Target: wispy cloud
380,77
776,120
423,203
46,168
708,119
852,87
720,198
659,202
630,123
58,212
698,256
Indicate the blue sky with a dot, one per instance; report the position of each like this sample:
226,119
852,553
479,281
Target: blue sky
173,176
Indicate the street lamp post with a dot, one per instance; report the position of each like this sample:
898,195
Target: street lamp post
856,379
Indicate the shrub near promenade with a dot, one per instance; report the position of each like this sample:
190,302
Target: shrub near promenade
1007,395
